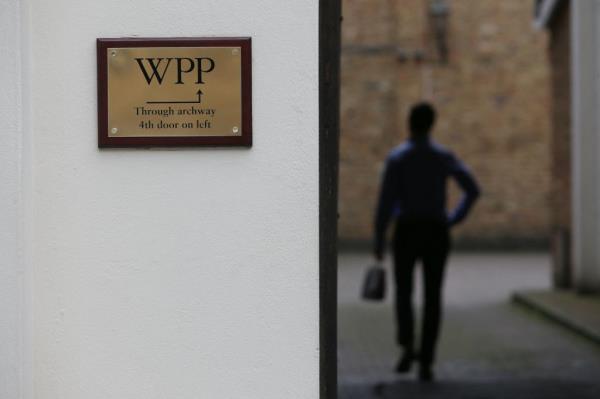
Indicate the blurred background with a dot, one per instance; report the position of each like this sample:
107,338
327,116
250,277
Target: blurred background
521,292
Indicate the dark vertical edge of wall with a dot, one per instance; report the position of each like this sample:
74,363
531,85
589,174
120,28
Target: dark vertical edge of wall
561,199
329,115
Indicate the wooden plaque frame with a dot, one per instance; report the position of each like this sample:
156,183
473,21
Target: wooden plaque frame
107,141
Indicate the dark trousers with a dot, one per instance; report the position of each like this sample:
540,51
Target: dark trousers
430,243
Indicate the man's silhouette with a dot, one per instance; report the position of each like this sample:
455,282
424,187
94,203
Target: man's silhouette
413,192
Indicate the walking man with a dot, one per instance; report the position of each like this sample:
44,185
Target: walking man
413,192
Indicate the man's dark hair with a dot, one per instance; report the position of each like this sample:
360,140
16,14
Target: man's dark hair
422,117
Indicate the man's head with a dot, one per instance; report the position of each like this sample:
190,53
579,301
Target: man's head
421,120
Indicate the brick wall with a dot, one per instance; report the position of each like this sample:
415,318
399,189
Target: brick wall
493,102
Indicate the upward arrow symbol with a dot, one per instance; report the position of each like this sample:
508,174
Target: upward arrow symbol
198,93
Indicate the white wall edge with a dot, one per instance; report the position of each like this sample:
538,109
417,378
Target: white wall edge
25,207
585,144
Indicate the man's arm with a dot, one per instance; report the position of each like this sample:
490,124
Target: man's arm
470,188
385,208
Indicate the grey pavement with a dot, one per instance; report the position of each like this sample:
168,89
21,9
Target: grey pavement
490,347
579,312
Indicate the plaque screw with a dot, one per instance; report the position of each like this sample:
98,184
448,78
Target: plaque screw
113,53
114,130
235,129
235,51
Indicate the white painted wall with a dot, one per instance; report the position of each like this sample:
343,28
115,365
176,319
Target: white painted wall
12,305
175,273
585,25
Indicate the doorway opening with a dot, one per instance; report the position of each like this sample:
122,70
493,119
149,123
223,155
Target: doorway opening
502,92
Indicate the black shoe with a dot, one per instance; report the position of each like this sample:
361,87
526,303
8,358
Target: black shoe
426,374
405,363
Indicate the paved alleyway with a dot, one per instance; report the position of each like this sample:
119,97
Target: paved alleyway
490,348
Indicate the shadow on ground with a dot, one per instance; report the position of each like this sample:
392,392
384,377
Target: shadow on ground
509,389
490,348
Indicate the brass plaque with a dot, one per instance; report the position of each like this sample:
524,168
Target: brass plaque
172,92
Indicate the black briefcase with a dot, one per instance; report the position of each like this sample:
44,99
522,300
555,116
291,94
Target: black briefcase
374,284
